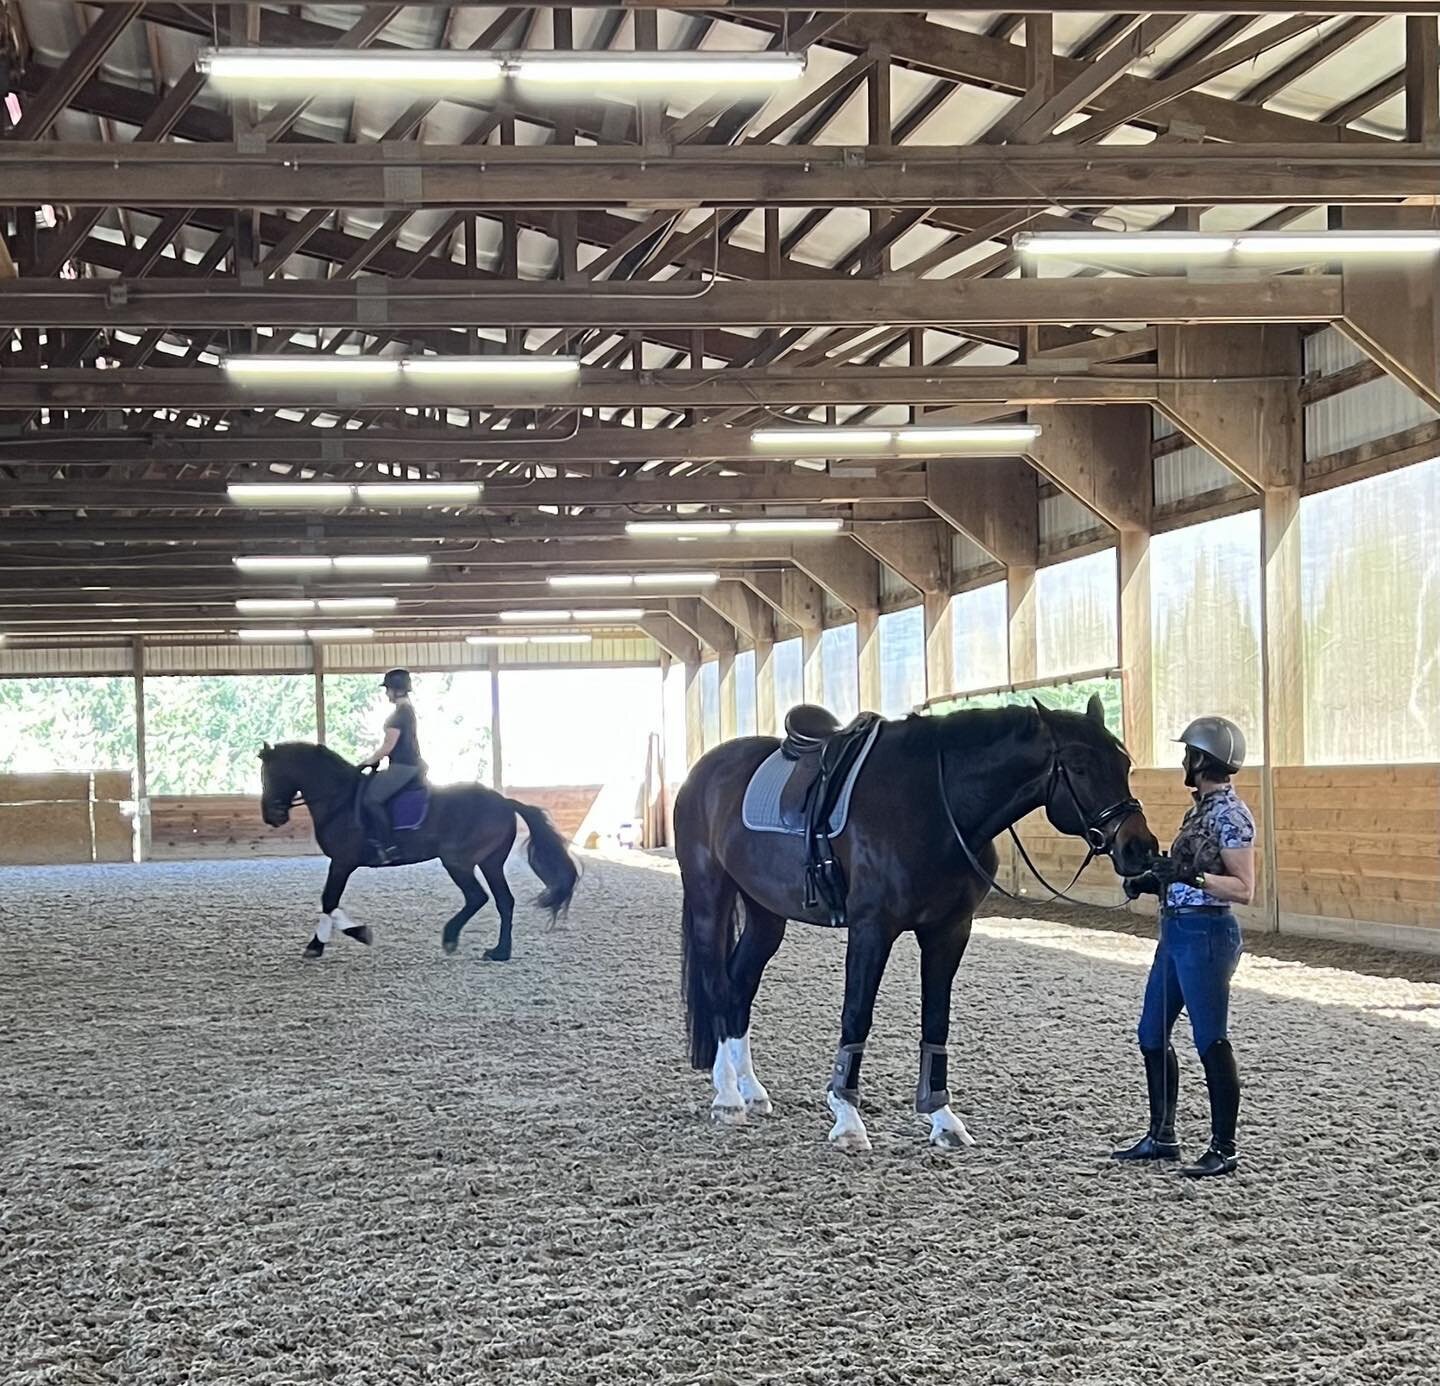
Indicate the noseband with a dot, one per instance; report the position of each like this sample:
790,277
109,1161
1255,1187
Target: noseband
1101,830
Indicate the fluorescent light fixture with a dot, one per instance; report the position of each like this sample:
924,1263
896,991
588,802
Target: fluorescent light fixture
591,580
577,638
340,633
534,616
676,579
963,434
643,66
355,606
275,65
284,563
612,613
334,367
799,526
677,529
274,633
273,606
494,639
492,367
403,493
382,563
1324,244
288,494
821,437
1109,244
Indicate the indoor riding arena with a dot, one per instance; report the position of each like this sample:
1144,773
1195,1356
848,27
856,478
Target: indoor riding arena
453,438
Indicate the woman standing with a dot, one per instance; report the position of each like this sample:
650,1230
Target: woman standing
401,750
1211,866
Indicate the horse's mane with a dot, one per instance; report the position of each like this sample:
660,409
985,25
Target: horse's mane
974,728
323,755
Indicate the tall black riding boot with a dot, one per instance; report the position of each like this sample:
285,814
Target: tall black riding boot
1223,1081
1162,1084
377,827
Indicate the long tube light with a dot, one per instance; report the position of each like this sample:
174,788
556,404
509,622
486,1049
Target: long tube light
340,633
459,369
678,529
317,563
356,606
274,606
714,529
610,613
408,493
289,493
840,440
534,616
611,580
676,579
494,639
569,638
274,633
1308,245
277,633
798,526
441,67
582,580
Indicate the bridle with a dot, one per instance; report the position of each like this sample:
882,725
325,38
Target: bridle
298,799
1101,830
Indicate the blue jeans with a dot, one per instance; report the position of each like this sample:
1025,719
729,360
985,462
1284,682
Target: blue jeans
1194,961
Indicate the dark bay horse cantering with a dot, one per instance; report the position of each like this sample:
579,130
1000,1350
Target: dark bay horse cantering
907,871
467,827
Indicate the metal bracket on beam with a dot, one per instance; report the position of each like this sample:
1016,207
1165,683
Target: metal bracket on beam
117,295
402,183
250,142
372,303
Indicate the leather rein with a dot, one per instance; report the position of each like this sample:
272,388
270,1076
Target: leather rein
1101,830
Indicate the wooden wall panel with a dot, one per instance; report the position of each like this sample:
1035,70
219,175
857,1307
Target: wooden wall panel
223,825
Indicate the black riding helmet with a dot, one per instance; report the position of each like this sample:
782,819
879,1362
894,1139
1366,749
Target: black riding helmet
397,681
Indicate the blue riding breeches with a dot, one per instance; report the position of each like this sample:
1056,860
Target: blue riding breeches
1194,960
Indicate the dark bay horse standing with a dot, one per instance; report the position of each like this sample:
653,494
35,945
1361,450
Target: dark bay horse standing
907,871
467,827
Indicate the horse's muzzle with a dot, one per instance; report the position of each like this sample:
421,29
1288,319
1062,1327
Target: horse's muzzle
1134,847
275,816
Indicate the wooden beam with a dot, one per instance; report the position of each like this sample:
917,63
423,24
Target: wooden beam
1393,315
994,501
444,176
1254,426
1422,80
38,115
418,304
1103,460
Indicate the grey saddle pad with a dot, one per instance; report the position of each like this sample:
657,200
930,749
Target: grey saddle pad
760,809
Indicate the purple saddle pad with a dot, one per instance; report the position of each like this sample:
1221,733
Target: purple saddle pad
409,807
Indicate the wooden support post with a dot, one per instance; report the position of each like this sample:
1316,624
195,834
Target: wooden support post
919,550
1282,671
694,716
803,604
142,767
1100,456
1137,675
729,697
994,501
877,89
867,658
767,715
317,660
939,645
497,744
1023,626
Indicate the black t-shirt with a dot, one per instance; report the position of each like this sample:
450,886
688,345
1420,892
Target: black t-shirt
407,748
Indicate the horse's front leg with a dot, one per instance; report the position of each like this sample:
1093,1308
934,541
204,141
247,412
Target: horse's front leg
866,953
941,948
332,917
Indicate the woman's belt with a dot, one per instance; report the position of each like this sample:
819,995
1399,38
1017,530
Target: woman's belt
1174,911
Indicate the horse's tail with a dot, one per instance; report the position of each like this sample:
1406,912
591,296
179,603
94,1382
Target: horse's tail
708,937
549,859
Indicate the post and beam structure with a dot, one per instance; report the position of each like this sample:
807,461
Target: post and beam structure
403,176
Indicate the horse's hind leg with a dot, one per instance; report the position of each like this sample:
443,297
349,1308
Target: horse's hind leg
763,935
493,869
463,874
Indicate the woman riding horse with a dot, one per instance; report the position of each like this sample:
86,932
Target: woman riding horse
401,748
932,794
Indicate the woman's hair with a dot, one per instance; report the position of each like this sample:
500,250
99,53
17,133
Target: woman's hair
1205,764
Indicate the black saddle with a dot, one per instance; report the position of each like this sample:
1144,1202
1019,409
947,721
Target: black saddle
824,753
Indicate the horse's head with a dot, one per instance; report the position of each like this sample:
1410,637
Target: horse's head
1089,793
279,784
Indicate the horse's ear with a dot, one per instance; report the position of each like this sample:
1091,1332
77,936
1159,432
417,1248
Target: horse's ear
265,749
1039,706
1095,709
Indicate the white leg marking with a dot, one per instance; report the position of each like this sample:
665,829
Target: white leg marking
757,1100
947,1131
325,928
849,1132
729,1104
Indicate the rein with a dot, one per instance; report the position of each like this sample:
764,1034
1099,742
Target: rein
1097,842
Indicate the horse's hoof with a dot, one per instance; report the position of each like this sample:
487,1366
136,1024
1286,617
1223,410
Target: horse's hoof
850,1142
728,1116
497,955
947,1142
760,1106
313,950
450,945
360,933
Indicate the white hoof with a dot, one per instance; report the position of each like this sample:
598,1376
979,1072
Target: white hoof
947,1131
727,1115
848,1133
757,1100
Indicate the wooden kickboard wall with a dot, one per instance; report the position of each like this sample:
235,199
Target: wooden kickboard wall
1352,842
66,817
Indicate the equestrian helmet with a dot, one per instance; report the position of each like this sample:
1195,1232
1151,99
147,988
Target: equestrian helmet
397,681
1219,738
